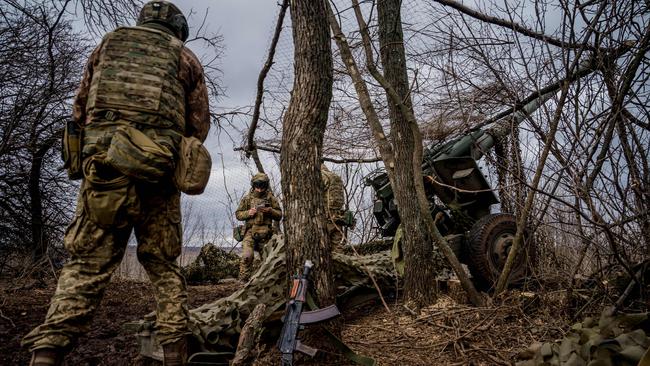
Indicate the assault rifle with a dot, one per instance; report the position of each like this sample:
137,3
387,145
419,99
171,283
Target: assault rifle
295,319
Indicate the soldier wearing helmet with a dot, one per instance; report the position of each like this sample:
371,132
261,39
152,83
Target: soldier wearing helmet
257,209
140,81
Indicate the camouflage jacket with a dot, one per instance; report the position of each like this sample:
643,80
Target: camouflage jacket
333,195
261,219
191,77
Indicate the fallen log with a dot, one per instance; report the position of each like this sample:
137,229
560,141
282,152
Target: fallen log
249,337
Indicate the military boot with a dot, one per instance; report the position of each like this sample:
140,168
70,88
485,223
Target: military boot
175,354
245,271
46,357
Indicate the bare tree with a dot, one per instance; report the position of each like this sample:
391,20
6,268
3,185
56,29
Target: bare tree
422,262
302,142
402,153
581,155
41,62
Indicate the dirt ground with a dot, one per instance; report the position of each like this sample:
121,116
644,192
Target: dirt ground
446,333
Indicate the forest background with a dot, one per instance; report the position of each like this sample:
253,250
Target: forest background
576,170
593,188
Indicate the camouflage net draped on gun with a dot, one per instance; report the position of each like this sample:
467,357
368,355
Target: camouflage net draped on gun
216,326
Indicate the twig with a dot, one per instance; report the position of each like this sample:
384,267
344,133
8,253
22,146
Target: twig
251,148
628,290
4,300
374,282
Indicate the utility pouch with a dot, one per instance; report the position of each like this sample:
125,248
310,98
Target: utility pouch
71,150
103,206
137,156
261,232
238,232
106,192
194,165
349,220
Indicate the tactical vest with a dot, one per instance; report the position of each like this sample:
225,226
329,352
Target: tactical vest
260,219
334,194
136,82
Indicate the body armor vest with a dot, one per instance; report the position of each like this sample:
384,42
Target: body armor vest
136,82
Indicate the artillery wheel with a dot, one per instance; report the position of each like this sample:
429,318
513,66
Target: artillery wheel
489,242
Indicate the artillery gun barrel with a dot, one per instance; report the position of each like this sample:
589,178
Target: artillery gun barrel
479,140
503,125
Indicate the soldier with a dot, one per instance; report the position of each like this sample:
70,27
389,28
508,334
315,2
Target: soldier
258,209
143,84
334,200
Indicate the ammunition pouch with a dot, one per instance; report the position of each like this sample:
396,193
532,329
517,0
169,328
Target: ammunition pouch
238,232
194,165
71,150
261,232
347,220
137,156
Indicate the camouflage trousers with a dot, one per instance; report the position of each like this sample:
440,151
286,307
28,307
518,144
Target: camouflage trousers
335,233
250,245
96,240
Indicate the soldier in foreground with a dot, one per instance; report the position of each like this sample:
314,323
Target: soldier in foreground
142,93
334,200
258,209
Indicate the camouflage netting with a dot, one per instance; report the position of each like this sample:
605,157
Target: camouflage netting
216,326
610,341
211,265
371,247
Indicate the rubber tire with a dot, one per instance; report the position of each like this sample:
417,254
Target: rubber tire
482,264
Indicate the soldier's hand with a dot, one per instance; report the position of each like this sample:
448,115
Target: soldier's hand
252,211
266,209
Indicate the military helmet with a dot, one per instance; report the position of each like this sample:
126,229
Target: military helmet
260,180
167,14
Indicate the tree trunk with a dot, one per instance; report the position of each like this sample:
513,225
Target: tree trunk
302,141
39,239
420,267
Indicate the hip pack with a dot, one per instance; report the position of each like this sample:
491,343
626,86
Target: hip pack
137,156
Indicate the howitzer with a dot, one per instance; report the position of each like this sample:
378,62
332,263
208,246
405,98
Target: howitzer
459,195
295,318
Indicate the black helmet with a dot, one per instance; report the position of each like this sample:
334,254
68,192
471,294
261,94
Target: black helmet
167,14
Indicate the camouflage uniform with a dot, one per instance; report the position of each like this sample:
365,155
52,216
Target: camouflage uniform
258,228
334,201
165,101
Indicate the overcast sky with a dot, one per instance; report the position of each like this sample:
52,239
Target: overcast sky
246,26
